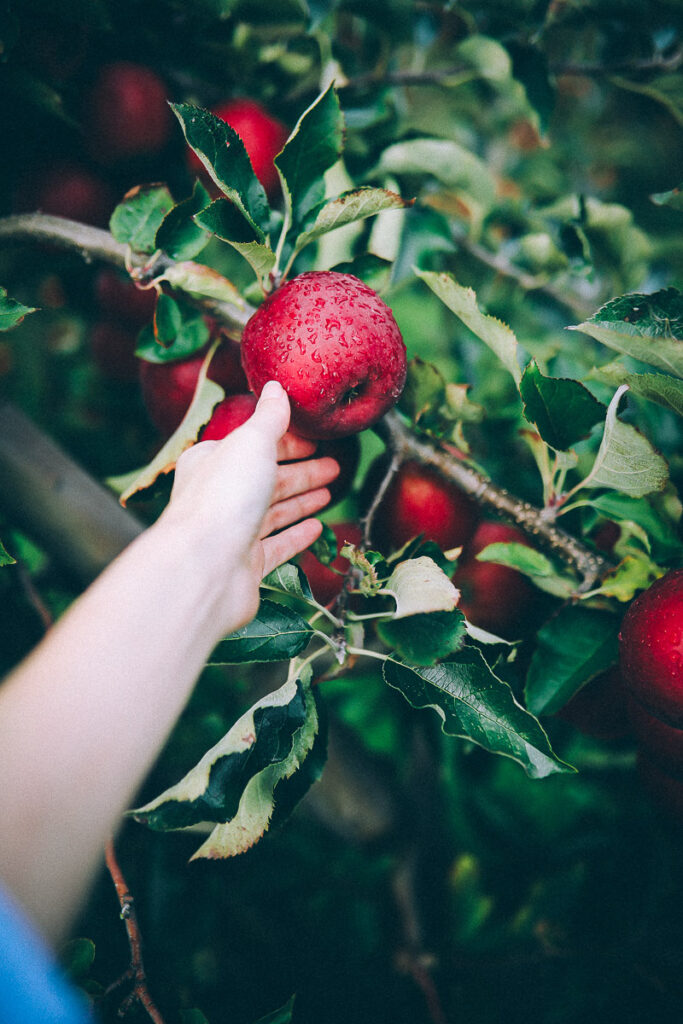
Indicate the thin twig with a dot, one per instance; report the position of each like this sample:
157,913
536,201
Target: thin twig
136,971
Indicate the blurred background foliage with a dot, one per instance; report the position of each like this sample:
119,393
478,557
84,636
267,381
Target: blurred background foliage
420,877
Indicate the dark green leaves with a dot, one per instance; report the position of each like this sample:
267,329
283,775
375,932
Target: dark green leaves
564,411
262,765
474,703
222,152
11,311
275,634
179,235
5,557
573,647
138,217
313,147
647,327
178,331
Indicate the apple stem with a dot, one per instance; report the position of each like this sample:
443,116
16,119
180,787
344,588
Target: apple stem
404,444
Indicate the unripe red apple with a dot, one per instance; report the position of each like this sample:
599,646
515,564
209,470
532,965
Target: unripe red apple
493,597
228,415
262,134
120,298
167,388
66,189
335,348
420,500
651,648
127,112
113,350
600,708
325,583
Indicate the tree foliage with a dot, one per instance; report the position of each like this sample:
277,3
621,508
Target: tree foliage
507,175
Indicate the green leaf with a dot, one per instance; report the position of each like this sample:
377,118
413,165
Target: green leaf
418,585
223,221
202,282
646,327
626,461
179,235
5,557
325,547
563,410
77,957
281,1016
192,336
222,152
192,1016
463,302
12,312
665,89
573,647
475,704
450,163
424,639
635,572
655,387
517,556
673,198
659,530
167,320
138,217
233,785
313,147
288,579
346,208
276,633
425,388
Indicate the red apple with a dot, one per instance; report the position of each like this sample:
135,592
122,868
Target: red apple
600,708
127,112
113,350
651,648
494,597
66,189
325,583
228,415
420,500
263,137
119,297
167,388
335,348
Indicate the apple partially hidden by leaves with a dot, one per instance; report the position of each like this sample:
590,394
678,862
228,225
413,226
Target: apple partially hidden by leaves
120,298
600,708
651,648
167,388
419,500
262,134
335,348
228,415
326,581
494,597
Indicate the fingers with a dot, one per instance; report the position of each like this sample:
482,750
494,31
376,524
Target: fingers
284,546
294,447
299,507
298,477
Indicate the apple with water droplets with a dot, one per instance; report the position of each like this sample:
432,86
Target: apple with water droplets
334,346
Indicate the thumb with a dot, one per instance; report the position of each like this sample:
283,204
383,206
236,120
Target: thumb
271,414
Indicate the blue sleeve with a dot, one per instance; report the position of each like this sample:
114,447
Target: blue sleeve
33,990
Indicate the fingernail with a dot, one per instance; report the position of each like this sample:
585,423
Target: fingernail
271,389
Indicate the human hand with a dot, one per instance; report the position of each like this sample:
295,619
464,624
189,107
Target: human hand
230,496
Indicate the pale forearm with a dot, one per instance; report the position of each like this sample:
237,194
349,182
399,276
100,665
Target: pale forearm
83,718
